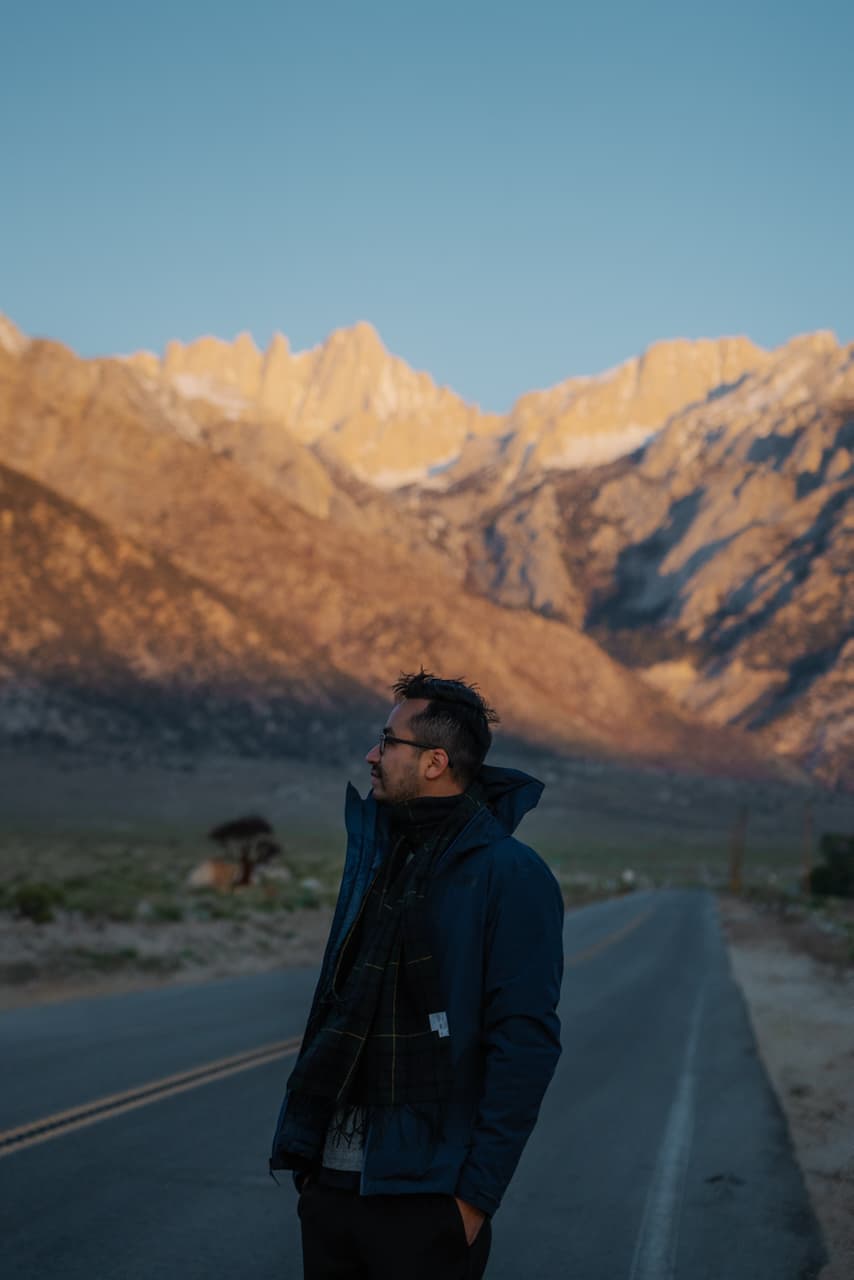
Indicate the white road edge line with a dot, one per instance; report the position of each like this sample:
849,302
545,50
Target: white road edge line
655,1251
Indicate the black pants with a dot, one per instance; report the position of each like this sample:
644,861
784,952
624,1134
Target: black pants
346,1236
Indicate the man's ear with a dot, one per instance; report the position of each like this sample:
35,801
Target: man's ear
437,764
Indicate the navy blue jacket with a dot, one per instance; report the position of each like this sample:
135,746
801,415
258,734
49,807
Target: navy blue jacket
497,913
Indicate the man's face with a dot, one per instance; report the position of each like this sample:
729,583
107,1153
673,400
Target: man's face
397,774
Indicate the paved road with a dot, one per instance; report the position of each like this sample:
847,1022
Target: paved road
661,1151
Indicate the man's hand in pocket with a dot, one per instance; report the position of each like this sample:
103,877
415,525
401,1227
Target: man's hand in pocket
472,1219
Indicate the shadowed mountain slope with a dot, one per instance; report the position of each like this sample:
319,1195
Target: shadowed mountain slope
106,643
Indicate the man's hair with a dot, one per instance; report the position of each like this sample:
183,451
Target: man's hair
457,718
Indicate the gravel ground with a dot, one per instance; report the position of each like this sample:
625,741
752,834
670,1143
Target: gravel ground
802,1009
73,956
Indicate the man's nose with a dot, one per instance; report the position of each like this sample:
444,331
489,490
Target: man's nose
373,756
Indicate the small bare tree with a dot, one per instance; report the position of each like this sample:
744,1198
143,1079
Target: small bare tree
249,841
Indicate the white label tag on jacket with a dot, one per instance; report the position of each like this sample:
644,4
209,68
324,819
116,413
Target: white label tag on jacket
439,1022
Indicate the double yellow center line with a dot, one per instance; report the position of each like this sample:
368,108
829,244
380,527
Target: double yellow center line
115,1104
617,935
29,1135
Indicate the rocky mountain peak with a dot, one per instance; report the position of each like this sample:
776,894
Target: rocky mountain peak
211,362
279,348
360,339
822,342
367,409
11,338
678,370
590,421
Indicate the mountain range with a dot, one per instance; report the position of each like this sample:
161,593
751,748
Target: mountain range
236,549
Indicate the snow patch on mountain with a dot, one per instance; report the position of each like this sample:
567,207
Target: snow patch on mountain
398,477
197,386
594,450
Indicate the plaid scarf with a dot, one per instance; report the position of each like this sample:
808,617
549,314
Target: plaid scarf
371,1044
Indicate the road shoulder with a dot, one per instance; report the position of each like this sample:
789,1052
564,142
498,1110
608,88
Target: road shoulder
802,1012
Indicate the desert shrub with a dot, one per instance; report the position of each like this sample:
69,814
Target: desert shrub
834,876
157,964
102,896
223,910
99,901
106,961
36,901
822,881
169,912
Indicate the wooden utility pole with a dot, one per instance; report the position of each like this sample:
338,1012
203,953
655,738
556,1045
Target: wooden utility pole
736,850
808,845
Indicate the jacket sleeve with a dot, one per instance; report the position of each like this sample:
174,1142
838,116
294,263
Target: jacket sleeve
523,968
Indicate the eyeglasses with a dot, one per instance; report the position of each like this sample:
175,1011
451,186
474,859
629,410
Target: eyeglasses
386,738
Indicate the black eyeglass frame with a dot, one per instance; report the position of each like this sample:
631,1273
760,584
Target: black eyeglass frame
386,737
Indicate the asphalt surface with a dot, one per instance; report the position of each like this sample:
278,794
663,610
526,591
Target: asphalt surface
660,1152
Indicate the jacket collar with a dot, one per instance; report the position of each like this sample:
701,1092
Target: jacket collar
510,794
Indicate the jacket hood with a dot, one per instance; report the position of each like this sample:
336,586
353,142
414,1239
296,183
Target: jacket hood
510,794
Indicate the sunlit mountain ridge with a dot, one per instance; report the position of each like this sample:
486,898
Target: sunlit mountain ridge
353,517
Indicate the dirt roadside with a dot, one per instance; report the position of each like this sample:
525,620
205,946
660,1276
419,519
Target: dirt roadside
801,1004
73,958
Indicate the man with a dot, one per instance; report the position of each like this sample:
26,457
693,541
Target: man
433,1033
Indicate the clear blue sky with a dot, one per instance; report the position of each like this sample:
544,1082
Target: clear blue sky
511,193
